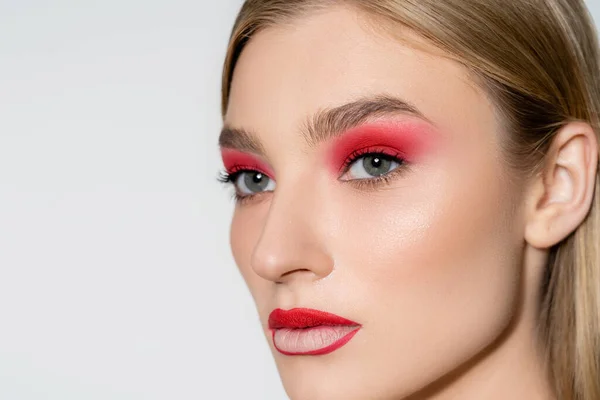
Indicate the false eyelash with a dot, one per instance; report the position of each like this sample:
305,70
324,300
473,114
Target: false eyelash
375,182
356,154
229,175
225,177
229,178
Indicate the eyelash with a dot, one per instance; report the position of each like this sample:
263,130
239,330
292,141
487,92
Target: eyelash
375,182
229,177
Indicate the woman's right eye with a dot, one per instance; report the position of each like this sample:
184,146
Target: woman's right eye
248,183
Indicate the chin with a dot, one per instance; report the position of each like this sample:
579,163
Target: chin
342,388
331,378
322,388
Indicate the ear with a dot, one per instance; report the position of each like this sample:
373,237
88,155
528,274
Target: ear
561,195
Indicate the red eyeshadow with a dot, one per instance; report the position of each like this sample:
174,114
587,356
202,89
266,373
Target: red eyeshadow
235,160
409,139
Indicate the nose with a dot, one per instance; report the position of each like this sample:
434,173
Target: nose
292,242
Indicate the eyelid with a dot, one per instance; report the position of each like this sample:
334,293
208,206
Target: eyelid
377,182
411,139
237,169
238,160
357,154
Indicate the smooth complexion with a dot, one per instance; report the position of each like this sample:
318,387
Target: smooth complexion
429,258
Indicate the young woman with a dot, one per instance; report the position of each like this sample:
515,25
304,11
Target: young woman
417,182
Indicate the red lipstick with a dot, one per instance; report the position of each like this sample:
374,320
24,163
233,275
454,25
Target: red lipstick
302,331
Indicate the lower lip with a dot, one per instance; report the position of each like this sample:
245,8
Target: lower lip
315,341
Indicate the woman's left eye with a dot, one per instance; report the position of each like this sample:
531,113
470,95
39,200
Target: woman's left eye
369,166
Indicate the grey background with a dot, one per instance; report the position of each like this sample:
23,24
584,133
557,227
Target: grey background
116,280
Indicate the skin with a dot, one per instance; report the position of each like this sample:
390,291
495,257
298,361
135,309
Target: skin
441,265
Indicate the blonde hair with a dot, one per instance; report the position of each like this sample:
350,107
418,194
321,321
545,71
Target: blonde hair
538,61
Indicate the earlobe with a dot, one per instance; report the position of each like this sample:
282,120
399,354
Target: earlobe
561,196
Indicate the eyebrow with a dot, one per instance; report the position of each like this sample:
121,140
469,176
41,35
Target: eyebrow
326,124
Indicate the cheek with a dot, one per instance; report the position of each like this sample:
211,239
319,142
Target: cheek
433,249
437,263
246,228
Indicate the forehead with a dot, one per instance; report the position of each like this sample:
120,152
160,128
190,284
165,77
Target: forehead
291,71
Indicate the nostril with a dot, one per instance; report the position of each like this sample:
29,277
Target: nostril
288,273
296,270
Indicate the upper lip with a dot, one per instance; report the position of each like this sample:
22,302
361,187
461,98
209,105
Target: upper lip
298,318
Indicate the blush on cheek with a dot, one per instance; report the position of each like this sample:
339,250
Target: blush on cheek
236,160
409,139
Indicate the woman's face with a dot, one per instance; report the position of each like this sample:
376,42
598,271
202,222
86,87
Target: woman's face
373,188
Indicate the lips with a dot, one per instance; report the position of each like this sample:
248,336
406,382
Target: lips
302,331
